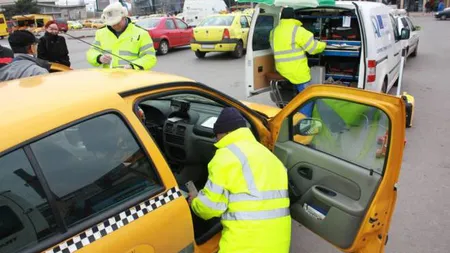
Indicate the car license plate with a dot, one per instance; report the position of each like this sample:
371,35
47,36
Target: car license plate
208,46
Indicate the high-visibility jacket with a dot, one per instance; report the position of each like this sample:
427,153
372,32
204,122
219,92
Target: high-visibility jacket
248,188
134,44
349,130
289,42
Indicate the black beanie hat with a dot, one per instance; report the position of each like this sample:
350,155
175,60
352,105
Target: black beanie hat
287,13
22,38
229,120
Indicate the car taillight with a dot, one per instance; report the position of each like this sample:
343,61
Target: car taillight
226,34
371,71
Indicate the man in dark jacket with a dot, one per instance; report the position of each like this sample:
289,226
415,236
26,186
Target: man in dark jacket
24,45
52,47
6,56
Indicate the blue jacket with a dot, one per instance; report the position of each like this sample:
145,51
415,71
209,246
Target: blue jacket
441,6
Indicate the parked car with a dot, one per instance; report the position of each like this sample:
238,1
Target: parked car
74,25
412,44
221,33
166,32
87,23
62,24
443,15
94,175
97,23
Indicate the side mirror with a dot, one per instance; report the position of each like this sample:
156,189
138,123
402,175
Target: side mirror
405,34
418,28
309,127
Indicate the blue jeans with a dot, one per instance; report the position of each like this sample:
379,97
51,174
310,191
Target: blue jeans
307,108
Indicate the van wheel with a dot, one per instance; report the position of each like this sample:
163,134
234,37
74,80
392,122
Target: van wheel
385,86
199,54
444,17
163,47
238,50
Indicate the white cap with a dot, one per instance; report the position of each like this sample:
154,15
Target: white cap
113,13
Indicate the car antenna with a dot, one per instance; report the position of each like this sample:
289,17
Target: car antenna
103,51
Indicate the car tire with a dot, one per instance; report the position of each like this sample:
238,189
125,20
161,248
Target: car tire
414,54
238,50
200,55
444,17
163,47
385,86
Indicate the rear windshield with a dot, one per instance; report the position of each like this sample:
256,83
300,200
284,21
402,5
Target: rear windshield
217,21
61,21
148,23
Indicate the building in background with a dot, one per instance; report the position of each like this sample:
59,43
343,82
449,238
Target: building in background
70,12
143,7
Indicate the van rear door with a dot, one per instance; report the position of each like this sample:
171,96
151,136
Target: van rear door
259,58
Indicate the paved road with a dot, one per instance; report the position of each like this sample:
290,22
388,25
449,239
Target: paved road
421,220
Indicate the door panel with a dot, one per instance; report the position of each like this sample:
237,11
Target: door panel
345,199
172,33
259,57
342,181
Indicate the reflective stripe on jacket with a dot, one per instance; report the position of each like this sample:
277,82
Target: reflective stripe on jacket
133,44
289,41
248,188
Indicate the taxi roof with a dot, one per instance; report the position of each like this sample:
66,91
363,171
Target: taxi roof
34,105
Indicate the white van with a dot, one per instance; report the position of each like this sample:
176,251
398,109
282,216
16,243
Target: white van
194,11
363,45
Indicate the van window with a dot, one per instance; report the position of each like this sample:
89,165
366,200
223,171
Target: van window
25,214
94,166
2,20
261,35
411,25
404,22
395,27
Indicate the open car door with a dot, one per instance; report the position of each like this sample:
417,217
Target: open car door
342,182
259,57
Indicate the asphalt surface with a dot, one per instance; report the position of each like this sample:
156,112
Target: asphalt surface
422,217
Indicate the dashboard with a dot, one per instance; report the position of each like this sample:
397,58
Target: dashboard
183,129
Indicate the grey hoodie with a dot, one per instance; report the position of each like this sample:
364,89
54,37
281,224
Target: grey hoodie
23,65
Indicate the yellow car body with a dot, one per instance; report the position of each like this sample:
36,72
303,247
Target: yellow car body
221,33
97,24
87,23
80,199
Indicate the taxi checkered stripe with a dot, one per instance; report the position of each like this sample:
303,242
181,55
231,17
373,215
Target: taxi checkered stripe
112,224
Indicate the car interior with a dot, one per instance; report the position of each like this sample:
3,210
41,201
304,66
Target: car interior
182,126
331,183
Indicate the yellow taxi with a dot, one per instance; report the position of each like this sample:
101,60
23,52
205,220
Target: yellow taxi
87,23
101,164
74,25
97,24
221,33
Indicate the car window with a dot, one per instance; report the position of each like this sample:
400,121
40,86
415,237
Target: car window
170,24
244,22
395,27
2,21
94,166
217,21
148,23
261,35
181,24
352,132
411,25
405,23
25,214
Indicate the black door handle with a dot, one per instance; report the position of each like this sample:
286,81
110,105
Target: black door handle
305,172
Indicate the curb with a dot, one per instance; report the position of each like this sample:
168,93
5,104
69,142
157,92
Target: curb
79,37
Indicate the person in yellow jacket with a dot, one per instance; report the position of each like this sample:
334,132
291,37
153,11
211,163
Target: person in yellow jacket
123,38
290,42
248,188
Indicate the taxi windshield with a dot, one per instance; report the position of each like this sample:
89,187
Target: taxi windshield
217,21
